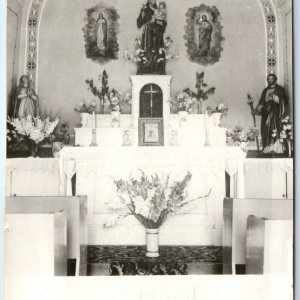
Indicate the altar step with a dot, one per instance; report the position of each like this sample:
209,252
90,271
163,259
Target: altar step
193,269
173,260
186,229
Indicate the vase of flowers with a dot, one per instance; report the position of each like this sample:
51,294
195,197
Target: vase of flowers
183,102
34,130
286,135
217,113
241,138
152,199
84,111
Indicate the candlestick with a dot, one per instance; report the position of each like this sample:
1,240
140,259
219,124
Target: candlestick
94,141
94,120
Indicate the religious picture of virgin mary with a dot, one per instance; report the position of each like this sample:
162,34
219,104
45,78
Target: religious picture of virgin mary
100,33
203,34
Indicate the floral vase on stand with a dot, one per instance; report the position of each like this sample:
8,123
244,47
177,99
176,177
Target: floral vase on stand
84,119
115,121
152,242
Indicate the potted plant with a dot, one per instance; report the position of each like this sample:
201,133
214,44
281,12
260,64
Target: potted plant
152,199
34,130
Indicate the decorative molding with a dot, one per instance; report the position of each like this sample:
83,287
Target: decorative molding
35,11
31,56
270,18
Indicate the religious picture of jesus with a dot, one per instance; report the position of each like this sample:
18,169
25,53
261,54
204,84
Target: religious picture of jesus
205,33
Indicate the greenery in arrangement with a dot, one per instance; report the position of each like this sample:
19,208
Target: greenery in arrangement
61,134
139,56
219,109
238,135
108,98
286,131
183,100
151,199
81,107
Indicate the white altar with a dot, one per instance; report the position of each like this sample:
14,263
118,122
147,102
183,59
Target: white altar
176,145
97,167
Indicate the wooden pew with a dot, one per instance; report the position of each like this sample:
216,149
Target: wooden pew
269,246
35,245
76,210
235,214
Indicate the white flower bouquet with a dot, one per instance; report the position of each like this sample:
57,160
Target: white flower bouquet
286,132
183,100
151,199
36,129
238,135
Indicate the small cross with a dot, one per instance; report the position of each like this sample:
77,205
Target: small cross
151,92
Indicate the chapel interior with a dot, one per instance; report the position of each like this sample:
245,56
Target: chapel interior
149,138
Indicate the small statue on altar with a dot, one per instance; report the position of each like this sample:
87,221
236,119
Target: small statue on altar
26,101
273,106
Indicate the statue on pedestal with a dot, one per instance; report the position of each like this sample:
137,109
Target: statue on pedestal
26,101
273,106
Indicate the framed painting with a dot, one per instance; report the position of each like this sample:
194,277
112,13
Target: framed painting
203,34
100,33
151,132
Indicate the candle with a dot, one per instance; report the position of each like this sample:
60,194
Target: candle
94,120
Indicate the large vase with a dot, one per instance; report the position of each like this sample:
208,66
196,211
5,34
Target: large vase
152,242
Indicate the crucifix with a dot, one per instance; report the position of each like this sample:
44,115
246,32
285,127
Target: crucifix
151,92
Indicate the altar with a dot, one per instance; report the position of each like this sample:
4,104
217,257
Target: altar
97,167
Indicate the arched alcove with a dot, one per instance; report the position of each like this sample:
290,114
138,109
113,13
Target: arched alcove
151,101
35,14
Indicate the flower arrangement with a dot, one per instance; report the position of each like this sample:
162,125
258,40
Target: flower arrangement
81,107
219,109
36,129
286,133
139,54
183,100
61,134
151,199
108,98
238,135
